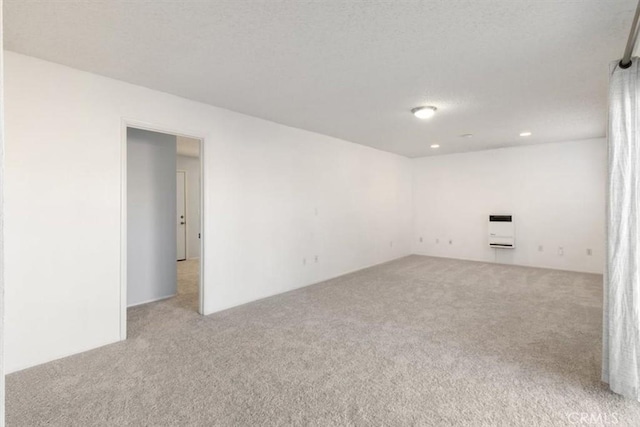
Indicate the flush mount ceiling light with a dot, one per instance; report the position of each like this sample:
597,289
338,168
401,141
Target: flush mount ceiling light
525,134
435,145
466,135
424,112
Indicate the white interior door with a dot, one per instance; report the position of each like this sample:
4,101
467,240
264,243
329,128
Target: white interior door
181,203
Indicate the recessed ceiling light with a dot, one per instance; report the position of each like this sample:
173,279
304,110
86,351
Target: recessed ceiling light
435,145
525,134
466,135
424,112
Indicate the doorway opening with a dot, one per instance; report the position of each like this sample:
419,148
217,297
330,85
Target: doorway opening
188,219
162,211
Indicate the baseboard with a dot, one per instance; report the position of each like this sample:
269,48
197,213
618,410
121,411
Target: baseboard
81,349
61,356
309,284
152,300
544,267
358,269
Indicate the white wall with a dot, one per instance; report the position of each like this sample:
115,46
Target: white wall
555,192
151,216
191,165
273,196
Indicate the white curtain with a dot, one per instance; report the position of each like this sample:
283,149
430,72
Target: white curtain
621,320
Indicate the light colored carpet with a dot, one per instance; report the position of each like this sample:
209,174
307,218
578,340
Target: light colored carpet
418,341
188,275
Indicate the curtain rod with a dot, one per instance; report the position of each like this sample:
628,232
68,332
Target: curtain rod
625,62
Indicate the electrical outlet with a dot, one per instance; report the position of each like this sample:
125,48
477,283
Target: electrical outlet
450,242
316,258
540,248
589,252
420,239
560,251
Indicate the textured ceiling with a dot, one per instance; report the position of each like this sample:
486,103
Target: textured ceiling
354,69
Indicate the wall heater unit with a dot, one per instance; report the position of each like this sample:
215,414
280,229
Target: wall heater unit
501,232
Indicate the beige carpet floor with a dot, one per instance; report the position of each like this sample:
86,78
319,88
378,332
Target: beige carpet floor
417,341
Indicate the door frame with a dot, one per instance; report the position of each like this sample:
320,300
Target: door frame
186,214
137,124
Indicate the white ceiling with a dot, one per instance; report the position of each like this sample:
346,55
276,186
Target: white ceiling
354,69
